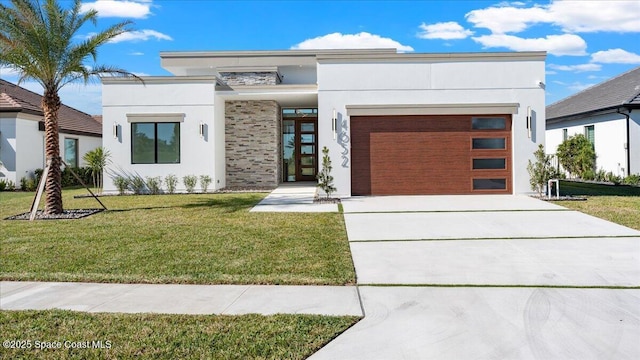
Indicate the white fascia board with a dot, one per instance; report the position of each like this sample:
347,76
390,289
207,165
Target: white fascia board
433,57
160,80
432,109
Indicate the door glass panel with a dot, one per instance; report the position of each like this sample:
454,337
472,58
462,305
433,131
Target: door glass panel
489,184
307,138
307,149
482,123
489,164
488,143
288,147
307,160
307,127
308,171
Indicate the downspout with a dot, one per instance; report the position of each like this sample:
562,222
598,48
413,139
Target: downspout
628,142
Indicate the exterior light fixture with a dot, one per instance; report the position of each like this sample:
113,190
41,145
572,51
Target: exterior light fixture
334,124
529,121
116,132
201,129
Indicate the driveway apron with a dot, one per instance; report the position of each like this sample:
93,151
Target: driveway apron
489,277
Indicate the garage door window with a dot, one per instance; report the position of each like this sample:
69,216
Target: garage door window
489,184
481,164
488,123
488,143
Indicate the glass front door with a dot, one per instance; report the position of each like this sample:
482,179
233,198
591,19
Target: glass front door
299,148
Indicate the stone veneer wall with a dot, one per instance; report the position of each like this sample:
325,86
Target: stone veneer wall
250,78
252,143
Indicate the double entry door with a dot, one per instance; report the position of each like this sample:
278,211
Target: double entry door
300,149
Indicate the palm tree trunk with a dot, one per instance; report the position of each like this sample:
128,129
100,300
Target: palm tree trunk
53,186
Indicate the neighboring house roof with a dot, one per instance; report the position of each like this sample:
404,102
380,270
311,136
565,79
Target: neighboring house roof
620,91
14,98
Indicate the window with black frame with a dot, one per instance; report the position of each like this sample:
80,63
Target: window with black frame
155,143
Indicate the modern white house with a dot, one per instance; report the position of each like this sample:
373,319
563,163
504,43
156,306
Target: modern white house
394,123
608,114
22,133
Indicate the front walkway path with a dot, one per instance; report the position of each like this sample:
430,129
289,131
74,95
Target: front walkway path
180,299
293,197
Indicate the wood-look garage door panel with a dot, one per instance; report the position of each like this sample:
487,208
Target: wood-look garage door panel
421,155
417,163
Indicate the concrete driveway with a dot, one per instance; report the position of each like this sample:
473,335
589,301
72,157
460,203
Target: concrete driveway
489,277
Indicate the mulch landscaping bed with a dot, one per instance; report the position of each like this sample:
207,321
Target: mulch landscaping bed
65,215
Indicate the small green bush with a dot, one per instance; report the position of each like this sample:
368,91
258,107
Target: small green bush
205,181
28,184
7,185
578,157
171,181
633,179
190,182
154,184
122,183
137,185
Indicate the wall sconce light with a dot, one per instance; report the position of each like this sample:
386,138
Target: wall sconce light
334,124
116,130
529,121
201,129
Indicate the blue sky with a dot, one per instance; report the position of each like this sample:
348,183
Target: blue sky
587,41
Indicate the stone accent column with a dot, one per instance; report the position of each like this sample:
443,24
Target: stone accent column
252,143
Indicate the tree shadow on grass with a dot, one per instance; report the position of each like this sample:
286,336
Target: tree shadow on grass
227,204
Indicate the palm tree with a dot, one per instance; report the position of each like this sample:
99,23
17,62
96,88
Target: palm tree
42,43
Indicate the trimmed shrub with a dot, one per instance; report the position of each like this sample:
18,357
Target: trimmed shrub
205,181
154,184
7,185
137,185
122,183
171,181
190,182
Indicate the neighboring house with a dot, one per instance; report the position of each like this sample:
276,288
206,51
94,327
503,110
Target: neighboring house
394,123
22,133
609,115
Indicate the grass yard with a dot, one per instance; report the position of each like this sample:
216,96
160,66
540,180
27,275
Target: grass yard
168,336
196,238
623,210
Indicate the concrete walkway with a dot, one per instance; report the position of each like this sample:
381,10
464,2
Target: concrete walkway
293,197
467,259
180,299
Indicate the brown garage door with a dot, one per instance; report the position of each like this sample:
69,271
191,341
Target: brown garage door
412,155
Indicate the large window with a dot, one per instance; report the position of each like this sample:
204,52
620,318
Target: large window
71,152
155,143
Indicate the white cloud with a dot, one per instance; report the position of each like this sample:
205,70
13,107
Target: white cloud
565,44
571,16
506,19
136,53
576,68
113,8
361,40
445,30
6,71
141,35
615,56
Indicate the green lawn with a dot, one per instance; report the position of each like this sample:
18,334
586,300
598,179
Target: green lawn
197,238
168,336
624,210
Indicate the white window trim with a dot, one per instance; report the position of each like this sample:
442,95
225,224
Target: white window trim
155,118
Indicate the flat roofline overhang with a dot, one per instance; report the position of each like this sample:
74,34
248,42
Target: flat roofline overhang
285,95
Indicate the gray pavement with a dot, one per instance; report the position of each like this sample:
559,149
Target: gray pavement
180,299
469,313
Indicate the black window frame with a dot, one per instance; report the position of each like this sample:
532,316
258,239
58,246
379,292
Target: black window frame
155,142
77,151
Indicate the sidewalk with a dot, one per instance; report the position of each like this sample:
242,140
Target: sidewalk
293,197
180,299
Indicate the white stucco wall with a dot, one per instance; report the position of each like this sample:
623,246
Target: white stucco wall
634,143
22,146
192,97
610,139
467,82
